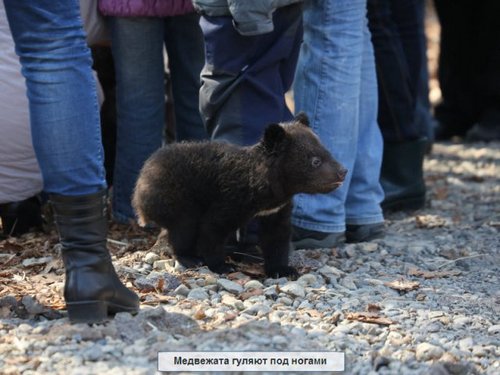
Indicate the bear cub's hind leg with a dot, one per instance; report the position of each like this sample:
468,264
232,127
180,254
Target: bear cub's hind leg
210,244
182,237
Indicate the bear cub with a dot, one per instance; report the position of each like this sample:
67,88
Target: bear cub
202,192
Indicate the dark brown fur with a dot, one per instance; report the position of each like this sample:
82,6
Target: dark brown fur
203,192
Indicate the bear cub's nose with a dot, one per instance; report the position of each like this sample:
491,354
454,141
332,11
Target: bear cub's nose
341,174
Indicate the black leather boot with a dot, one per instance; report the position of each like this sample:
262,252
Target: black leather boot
402,175
93,289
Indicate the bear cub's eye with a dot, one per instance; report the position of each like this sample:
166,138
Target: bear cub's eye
316,161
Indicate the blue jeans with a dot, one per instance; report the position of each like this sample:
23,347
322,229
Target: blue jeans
137,45
246,77
335,84
64,112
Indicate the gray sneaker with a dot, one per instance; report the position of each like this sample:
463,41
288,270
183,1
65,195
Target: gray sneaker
364,233
310,239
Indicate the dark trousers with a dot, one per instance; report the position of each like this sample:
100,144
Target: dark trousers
397,28
245,78
469,62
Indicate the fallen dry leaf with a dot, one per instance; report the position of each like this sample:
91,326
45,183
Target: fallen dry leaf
403,285
431,221
251,293
199,314
369,317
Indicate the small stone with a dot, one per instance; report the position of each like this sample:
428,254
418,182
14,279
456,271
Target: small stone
466,344
32,306
181,290
279,340
150,258
271,292
93,353
284,300
232,301
304,305
436,314
330,270
36,261
156,280
163,264
230,286
461,321
426,352
495,329
307,280
350,250
198,294
349,283
294,289
368,247
253,284
258,310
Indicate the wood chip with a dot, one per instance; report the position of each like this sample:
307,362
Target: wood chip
368,317
403,285
431,221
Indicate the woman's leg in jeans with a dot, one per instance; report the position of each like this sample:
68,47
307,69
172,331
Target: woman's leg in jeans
184,43
137,45
62,94
66,132
327,87
365,192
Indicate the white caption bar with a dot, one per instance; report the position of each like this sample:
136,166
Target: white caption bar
251,361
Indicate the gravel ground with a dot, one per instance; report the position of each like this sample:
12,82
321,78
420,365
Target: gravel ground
423,300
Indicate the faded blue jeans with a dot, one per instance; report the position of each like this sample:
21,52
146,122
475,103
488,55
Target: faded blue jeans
62,96
335,84
137,45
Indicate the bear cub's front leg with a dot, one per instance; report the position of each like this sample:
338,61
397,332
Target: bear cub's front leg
274,238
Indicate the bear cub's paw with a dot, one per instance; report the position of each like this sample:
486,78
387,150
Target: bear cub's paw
190,261
282,271
221,268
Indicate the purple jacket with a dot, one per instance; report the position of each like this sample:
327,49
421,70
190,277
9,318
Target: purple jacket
145,8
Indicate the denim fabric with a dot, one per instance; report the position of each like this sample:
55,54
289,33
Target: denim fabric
335,85
64,112
138,54
245,78
397,27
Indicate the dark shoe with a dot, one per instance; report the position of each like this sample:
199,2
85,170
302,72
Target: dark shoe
310,239
92,289
483,132
402,175
364,233
19,217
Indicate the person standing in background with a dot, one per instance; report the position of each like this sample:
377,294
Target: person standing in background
20,178
399,41
140,30
251,51
335,84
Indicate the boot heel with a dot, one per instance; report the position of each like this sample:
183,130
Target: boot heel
87,312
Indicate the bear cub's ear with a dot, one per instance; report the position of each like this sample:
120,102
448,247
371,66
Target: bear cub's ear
274,138
302,118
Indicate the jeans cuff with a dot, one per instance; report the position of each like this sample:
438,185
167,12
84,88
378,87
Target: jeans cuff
365,220
325,228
